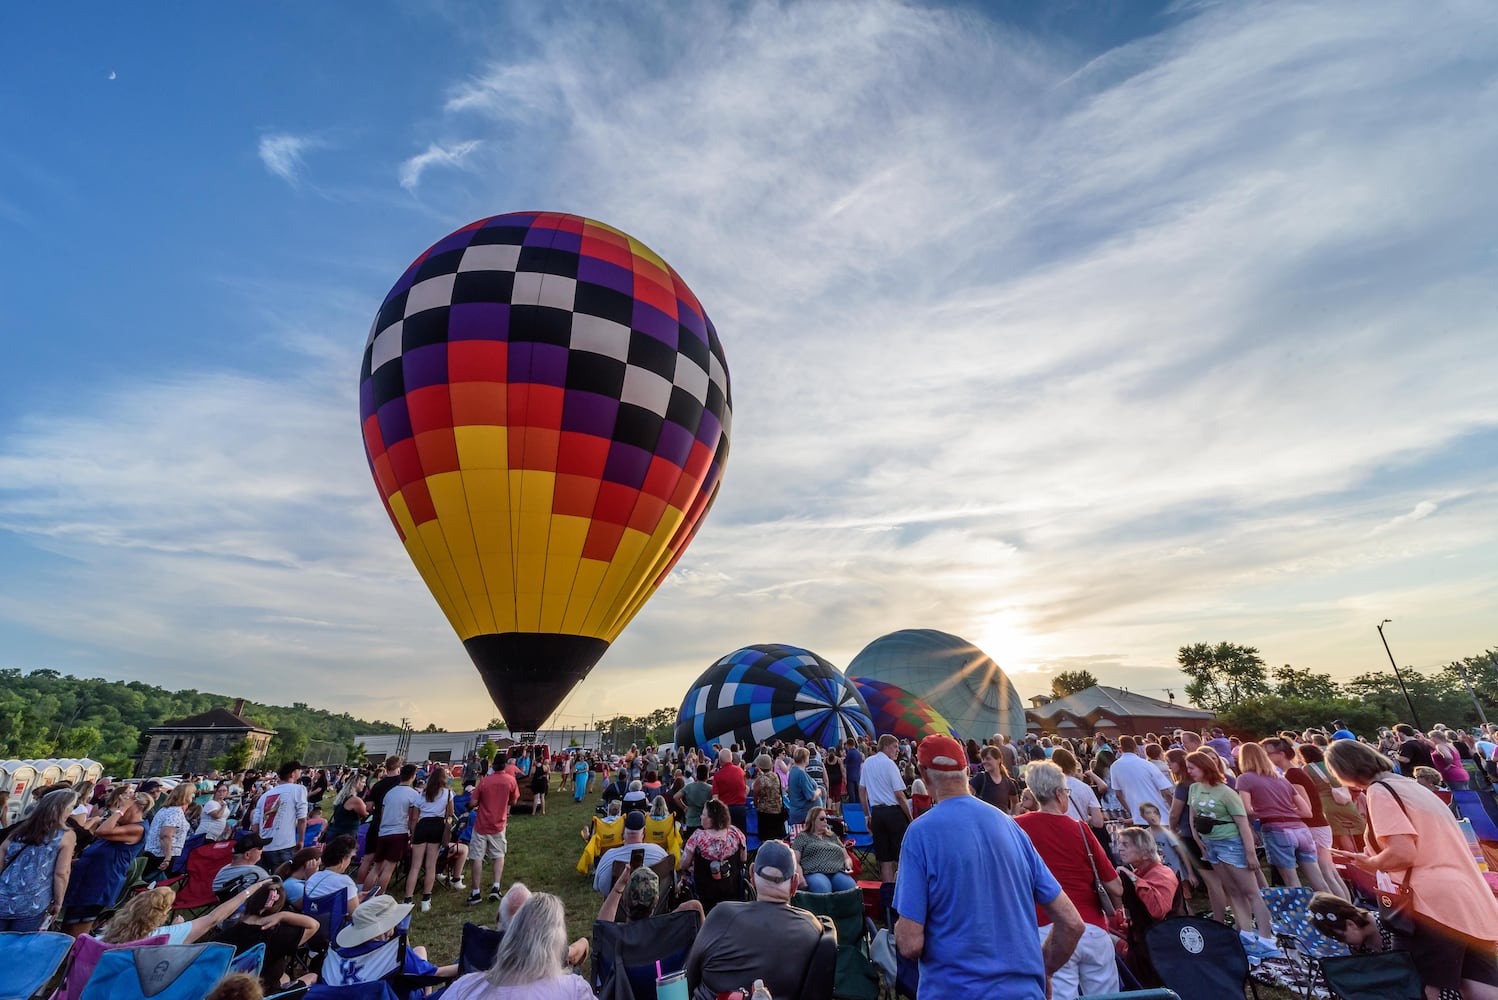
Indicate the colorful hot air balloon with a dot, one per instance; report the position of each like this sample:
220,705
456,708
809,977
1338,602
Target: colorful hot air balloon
894,710
771,692
546,409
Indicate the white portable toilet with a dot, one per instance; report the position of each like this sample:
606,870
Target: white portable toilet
48,772
72,770
20,779
92,769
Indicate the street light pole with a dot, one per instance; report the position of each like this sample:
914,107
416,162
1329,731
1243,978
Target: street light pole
1398,676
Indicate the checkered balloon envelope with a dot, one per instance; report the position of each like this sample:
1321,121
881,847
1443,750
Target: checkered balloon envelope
771,692
896,711
546,409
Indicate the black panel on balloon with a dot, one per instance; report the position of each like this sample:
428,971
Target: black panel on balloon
529,673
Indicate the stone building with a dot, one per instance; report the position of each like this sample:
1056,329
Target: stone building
191,744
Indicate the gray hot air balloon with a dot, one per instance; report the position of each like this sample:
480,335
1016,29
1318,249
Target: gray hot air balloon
954,676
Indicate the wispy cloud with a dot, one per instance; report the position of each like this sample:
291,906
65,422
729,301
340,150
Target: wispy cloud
281,153
436,155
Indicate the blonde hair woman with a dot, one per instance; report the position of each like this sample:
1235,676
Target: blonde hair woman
146,915
168,830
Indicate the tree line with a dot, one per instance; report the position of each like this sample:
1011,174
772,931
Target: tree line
44,713
1234,681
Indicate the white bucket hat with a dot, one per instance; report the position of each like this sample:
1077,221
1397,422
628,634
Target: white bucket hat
372,919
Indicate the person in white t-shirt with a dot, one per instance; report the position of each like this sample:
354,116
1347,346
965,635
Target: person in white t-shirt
333,875
215,813
1136,781
399,810
433,826
280,816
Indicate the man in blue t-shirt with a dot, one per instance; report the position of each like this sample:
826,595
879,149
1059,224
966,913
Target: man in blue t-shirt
852,770
960,844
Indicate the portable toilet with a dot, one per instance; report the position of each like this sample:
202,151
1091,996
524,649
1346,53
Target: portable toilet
92,769
20,779
72,770
48,772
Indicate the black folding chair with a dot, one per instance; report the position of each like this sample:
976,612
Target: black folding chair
1386,975
479,948
627,957
1199,959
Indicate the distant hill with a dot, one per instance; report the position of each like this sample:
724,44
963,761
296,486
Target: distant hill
47,714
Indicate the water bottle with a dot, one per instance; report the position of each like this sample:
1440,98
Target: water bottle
760,992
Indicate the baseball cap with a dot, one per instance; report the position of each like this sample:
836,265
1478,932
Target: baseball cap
942,753
775,861
248,842
635,820
643,890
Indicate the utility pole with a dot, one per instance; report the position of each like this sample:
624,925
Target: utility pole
1398,676
1462,669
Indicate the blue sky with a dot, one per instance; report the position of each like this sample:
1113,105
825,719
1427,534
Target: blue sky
1081,331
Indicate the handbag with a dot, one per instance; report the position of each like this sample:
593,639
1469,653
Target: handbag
1104,901
1396,906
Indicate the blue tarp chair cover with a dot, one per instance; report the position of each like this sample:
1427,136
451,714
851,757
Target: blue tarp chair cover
249,961
29,961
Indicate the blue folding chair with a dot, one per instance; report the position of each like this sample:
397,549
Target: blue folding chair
330,909
479,948
378,990
30,961
250,961
1199,959
858,832
158,972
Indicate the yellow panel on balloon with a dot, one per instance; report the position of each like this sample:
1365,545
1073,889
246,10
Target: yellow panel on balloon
488,491
436,546
656,555
590,573
402,515
482,447
615,581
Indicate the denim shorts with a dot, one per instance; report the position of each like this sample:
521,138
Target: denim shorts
1288,845
1227,852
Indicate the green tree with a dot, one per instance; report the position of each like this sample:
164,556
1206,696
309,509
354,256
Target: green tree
497,723
1071,681
289,743
1220,676
236,758
1305,685
432,728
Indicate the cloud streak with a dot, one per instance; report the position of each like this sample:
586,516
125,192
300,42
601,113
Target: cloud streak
436,155
282,152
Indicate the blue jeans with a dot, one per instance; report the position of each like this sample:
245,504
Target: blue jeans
836,882
23,924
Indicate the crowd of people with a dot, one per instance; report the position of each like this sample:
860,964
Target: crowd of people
1076,846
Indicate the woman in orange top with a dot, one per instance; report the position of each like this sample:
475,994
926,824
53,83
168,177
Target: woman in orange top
1415,840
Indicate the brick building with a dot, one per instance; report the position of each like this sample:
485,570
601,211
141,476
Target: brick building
191,744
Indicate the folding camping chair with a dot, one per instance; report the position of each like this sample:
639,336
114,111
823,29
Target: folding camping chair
331,911
29,962
249,961
197,894
86,954
857,978
374,962
1159,994
712,891
158,972
1471,806
626,957
1386,975
378,990
479,947
1199,959
179,863
858,832
1296,934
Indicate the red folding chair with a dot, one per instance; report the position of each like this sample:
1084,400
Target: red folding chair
202,866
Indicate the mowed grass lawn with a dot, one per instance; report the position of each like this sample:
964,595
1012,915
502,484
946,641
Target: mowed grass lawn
543,853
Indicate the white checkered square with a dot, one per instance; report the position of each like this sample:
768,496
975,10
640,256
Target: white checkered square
430,294
726,694
490,257
387,346
716,372
691,379
557,292
597,335
646,390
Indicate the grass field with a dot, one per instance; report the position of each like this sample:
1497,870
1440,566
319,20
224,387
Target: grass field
543,853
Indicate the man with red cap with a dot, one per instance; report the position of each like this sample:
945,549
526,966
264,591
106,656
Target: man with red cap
961,845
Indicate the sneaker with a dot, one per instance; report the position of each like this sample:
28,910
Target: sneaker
494,894
457,885
475,898
426,904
